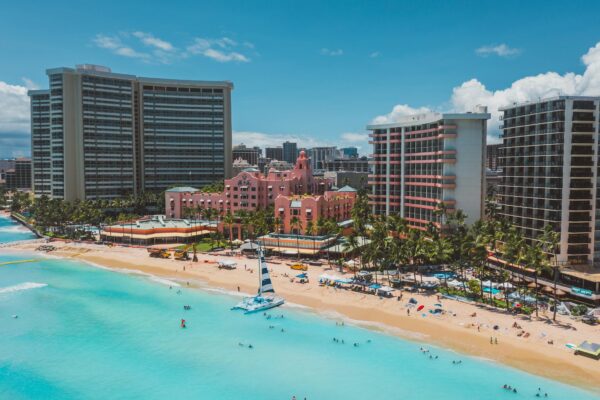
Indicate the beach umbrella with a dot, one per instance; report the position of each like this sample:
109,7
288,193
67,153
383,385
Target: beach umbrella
548,289
560,292
517,280
532,285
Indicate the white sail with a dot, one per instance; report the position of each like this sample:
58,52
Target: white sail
265,286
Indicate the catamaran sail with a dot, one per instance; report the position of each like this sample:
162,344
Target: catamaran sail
266,286
260,301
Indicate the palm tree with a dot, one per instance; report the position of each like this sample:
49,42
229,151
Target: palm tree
295,225
228,222
309,230
536,260
550,240
277,225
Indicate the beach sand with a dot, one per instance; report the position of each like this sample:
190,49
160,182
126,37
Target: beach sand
457,329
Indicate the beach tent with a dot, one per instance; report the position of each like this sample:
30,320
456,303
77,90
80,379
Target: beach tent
454,283
228,264
524,298
506,286
386,290
589,349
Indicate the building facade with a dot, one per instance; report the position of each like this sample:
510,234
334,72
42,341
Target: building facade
425,160
347,164
19,178
113,135
349,152
295,212
290,152
320,155
357,180
41,162
274,153
250,154
550,173
492,156
249,190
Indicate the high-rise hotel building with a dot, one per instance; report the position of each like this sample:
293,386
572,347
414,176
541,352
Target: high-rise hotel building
550,173
424,160
109,135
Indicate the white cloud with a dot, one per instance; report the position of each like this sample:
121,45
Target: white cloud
332,53
399,112
354,137
14,108
375,54
530,88
114,44
221,50
150,40
263,140
500,50
29,84
161,51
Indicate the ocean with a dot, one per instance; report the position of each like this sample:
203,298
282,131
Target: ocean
11,231
84,332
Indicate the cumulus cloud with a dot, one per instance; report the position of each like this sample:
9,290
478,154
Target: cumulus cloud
115,45
221,50
500,50
14,108
157,50
332,52
150,40
530,88
263,140
399,112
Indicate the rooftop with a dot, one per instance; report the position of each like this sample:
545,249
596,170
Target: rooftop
545,99
183,189
431,117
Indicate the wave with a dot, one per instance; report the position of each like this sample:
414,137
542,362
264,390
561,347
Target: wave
162,280
22,286
14,229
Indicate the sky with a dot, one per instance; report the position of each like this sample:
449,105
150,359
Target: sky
311,71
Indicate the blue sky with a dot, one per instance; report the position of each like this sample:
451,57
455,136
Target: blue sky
314,71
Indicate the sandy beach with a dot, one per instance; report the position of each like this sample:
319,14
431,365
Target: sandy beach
457,329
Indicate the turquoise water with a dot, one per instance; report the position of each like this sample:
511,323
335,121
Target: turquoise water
11,231
88,333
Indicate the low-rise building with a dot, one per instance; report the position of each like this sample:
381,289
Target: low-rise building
358,180
249,190
295,212
157,230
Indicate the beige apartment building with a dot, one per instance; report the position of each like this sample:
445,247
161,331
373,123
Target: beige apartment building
102,135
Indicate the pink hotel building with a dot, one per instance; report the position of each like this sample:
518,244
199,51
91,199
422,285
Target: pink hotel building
251,190
428,159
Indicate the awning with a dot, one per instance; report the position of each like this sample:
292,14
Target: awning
281,209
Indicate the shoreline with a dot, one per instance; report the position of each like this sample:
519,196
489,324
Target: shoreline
456,331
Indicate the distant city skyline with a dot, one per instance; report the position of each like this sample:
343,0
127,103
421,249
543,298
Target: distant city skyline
311,73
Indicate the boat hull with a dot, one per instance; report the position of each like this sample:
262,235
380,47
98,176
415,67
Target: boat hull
256,304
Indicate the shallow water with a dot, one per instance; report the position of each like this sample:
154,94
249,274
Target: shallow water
11,231
89,333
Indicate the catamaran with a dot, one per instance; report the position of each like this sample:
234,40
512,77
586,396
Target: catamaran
261,302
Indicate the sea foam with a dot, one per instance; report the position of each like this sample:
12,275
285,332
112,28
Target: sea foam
22,286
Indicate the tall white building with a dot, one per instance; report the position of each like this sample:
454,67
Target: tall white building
428,159
112,135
